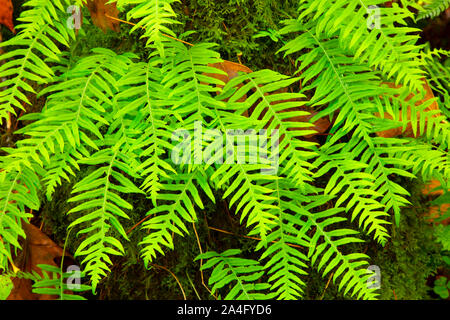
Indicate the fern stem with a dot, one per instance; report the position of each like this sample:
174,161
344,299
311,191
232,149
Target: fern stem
61,276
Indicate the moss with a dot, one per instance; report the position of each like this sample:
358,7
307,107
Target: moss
232,24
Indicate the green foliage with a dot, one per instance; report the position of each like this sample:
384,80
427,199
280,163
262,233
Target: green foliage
433,8
443,236
442,287
136,126
439,75
13,199
243,274
42,30
154,17
54,282
380,45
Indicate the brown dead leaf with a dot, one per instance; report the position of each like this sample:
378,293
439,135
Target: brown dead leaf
38,249
435,212
409,131
6,14
231,68
99,11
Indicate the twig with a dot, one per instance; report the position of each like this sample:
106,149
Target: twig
137,224
248,237
173,275
8,122
228,211
328,282
17,121
201,261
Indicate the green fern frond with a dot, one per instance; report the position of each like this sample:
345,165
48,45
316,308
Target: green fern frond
249,193
356,189
240,274
155,16
438,74
338,81
371,32
286,252
191,90
425,159
353,90
54,282
274,111
73,112
433,8
18,191
101,208
62,167
142,94
176,206
349,270
42,30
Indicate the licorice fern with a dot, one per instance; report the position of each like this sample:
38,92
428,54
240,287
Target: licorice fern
53,282
154,16
392,50
133,126
41,33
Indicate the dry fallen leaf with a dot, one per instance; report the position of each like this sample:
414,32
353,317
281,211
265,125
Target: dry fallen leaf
232,69
38,249
409,131
99,12
6,14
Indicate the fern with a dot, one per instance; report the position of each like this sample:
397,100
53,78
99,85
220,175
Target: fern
433,8
181,196
56,285
353,89
18,191
350,271
105,207
287,264
54,282
154,15
42,30
391,50
238,273
439,74
142,93
137,126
